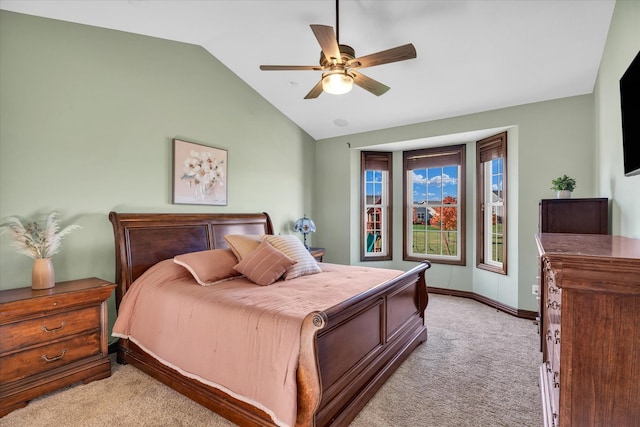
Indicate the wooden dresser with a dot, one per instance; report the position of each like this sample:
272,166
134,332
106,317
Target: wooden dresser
583,216
52,338
590,294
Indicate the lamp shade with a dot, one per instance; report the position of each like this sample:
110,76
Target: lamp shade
337,83
304,225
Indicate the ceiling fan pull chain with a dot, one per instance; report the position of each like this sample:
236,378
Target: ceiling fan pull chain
337,22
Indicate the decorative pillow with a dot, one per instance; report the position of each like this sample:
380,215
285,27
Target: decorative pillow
264,265
242,244
209,267
292,247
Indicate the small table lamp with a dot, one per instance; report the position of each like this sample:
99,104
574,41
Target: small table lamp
305,226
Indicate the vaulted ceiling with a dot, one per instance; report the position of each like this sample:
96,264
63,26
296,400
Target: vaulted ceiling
472,55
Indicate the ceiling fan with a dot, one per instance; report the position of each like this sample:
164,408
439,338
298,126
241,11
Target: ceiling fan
339,63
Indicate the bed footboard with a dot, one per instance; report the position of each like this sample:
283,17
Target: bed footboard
352,358
309,387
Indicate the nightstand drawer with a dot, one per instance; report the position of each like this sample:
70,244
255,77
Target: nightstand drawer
16,336
42,359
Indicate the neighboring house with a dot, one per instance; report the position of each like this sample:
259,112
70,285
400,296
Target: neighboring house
422,214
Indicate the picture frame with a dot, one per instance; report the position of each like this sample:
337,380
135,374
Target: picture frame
199,174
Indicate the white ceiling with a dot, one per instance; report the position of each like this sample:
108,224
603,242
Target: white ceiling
472,55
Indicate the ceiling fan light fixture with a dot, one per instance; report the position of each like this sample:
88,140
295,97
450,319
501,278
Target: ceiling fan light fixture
337,83
340,65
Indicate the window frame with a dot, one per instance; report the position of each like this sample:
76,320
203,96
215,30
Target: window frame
489,149
384,161
435,153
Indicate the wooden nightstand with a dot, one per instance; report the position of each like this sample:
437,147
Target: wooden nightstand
52,338
317,253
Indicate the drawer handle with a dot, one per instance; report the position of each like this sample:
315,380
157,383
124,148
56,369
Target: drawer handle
53,359
45,329
556,334
553,304
553,289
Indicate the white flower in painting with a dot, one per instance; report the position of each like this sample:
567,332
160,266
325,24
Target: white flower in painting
203,171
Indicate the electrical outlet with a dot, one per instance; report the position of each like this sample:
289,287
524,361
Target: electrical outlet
534,289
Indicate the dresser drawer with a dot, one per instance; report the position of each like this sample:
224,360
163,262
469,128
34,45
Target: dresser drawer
47,357
43,330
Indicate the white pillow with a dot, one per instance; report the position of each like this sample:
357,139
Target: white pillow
292,247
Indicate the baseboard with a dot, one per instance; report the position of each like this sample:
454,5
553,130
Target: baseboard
523,314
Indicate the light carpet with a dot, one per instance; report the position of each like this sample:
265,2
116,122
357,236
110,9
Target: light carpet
478,368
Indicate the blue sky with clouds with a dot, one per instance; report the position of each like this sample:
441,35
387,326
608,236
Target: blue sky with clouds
434,184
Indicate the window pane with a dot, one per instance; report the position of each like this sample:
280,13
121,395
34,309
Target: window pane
433,204
374,230
374,205
495,205
419,186
450,182
496,178
435,212
419,239
491,208
497,235
376,210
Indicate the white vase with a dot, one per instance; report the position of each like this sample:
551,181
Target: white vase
201,191
42,276
564,194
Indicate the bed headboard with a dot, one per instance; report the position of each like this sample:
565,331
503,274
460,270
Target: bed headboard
142,240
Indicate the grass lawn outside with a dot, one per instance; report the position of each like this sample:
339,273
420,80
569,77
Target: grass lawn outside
430,240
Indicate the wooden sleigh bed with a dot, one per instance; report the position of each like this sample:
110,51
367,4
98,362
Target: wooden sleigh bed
346,352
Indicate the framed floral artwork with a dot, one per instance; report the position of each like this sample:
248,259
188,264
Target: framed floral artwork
199,174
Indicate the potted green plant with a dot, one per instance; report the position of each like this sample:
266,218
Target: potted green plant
563,185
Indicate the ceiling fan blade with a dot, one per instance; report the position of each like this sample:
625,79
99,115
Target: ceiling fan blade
328,42
367,83
315,92
290,67
400,53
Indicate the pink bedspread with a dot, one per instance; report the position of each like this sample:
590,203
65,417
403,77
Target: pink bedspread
236,336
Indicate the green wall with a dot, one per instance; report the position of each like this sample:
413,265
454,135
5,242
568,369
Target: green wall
623,44
87,118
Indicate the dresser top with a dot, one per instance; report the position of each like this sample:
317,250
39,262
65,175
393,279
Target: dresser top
61,288
587,245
